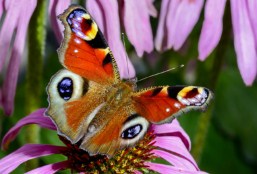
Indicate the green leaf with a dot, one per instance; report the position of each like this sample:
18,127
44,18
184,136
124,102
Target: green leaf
220,155
235,112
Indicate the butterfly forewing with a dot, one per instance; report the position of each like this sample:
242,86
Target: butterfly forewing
162,104
84,50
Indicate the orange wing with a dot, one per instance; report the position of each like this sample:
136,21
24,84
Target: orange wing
84,50
162,104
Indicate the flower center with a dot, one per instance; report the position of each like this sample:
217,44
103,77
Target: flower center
127,160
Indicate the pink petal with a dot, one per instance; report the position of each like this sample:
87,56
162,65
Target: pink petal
1,8
50,168
56,8
151,9
25,153
7,30
137,24
10,81
252,6
111,23
172,129
244,41
175,160
212,27
161,35
36,117
164,169
181,19
175,145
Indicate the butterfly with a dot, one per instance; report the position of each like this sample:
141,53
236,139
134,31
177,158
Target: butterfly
92,106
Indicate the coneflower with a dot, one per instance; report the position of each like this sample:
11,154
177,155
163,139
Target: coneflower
168,142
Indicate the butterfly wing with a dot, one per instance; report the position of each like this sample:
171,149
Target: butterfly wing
84,50
76,93
162,104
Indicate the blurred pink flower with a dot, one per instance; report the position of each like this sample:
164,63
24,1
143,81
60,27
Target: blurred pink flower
244,29
135,16
16,17
168,141
178,18
245,40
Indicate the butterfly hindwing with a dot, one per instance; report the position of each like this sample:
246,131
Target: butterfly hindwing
73,101
124,128
162,104
84,50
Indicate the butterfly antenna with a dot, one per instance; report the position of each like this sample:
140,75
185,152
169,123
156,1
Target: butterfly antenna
180,66
123,40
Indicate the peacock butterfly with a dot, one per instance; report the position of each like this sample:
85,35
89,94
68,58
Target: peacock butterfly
91,105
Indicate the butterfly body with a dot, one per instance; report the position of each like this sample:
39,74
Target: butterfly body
92,106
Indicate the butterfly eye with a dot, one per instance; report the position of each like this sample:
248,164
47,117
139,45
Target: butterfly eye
132,131
65,88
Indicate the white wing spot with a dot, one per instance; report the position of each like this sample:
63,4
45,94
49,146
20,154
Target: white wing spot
77,41
177,105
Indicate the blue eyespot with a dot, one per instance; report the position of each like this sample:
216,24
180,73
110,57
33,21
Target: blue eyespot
65,88
132,131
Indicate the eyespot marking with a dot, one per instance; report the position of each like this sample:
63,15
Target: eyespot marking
132,131
193,96
65,88
82,25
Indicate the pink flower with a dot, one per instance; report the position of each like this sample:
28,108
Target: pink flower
167,141
17,17
178,18
245,32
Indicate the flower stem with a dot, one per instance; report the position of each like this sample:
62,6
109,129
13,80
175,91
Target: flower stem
205,118
36,48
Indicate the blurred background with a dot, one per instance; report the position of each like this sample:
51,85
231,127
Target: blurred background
223,138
